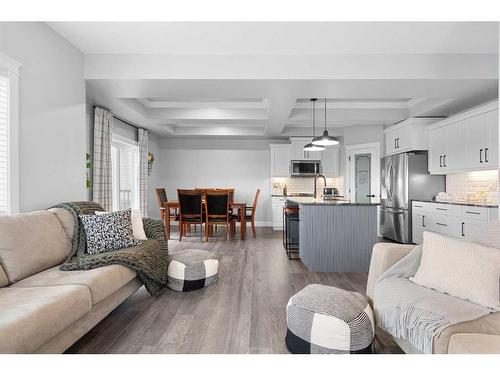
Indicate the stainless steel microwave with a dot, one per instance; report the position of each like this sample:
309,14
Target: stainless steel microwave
305,168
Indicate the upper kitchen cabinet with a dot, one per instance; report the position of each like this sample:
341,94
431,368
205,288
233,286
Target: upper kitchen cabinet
330,161
280,160
298,153
464,142
408,135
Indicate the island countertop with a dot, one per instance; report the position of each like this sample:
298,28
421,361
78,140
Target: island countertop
323,202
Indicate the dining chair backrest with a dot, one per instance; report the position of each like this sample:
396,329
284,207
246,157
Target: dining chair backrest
230,192
190,202
161,196
217,203
257,193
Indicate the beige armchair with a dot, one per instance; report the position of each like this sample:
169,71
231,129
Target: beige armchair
478,336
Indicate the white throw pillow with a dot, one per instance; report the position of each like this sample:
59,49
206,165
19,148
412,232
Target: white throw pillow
137,225
462,269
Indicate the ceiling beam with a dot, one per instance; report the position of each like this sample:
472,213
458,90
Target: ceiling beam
352,66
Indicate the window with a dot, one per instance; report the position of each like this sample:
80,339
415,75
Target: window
125,173
9,70
4,147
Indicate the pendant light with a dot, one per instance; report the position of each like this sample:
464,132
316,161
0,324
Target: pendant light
325,139
311,146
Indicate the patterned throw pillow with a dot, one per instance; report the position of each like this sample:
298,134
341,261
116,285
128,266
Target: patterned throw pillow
108,232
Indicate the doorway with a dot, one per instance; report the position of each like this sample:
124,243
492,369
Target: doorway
363,172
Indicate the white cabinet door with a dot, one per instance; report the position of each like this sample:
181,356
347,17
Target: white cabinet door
491,152
476,135
277,212
418,227
453,158
437,149
470,229
391,142
330,161
280,161
403,140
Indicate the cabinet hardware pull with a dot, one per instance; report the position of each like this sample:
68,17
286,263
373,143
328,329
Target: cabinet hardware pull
441,209
472,212
423,221
463,235
486,155
443,225
441,161
395,143
444,161
418,206
481,155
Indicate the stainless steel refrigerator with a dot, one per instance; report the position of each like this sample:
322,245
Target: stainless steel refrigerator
405,178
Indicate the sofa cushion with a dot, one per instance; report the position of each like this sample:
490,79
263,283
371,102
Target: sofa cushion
462,269
474,343
66,219
31,316
30,243
102,281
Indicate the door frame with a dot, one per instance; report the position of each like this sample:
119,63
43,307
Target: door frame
375,171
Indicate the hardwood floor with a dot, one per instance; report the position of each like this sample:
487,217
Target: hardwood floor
244,312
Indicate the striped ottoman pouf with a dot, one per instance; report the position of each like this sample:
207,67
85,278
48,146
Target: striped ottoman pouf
324,319
191,270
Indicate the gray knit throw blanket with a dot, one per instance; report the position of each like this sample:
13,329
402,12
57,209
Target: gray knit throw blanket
149,260
414,313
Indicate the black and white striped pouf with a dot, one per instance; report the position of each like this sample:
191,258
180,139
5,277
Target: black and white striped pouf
324,319
191,270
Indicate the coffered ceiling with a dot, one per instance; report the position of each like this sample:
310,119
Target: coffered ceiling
255,79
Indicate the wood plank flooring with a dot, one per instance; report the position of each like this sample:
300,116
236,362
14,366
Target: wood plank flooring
244,312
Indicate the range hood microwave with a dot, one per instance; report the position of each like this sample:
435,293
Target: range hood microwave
305,168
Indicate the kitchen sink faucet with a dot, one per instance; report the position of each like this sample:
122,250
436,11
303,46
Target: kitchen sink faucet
315,180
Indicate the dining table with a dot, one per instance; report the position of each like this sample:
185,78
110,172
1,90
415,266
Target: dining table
239,206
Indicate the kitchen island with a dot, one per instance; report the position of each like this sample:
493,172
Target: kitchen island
335,235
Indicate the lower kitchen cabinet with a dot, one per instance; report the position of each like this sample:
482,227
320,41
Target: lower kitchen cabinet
277,212
459,221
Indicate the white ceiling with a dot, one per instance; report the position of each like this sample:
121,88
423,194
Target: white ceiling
255,79
280,38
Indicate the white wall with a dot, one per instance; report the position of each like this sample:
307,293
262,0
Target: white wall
52,136
240,164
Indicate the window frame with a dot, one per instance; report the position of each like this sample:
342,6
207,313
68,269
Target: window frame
10,69
123,143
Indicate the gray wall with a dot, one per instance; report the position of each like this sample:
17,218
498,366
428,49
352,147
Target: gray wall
52,136
240,164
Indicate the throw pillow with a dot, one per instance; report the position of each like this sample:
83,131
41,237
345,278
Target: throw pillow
108,232
137,224
462,269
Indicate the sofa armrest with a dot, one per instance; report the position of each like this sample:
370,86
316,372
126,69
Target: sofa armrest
384,255
155,230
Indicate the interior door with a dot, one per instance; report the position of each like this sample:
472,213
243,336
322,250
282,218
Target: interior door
363,173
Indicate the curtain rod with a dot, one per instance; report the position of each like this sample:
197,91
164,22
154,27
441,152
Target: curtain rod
119,118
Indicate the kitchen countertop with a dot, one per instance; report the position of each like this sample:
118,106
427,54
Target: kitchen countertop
328,202
471,204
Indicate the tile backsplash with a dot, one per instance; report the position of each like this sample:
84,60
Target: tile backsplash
476,186
304,184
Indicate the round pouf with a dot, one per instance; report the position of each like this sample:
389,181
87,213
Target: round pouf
191,270
324,319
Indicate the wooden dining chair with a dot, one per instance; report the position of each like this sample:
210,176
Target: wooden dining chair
190,210
249,214
217,210
166,214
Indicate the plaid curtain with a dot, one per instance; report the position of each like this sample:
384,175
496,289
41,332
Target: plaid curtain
143,171
102,191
